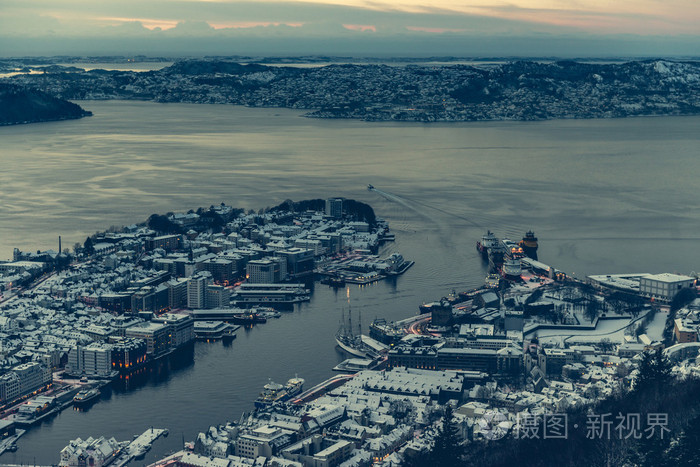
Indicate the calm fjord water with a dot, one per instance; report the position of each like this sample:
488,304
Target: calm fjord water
603,196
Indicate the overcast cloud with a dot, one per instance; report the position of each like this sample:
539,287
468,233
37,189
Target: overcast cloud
355,27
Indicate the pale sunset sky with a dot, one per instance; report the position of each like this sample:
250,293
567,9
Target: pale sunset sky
351,27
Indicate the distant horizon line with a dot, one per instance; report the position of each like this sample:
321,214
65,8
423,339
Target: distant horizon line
306,58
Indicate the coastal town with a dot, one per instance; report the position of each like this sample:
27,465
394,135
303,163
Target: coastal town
531,342
424,92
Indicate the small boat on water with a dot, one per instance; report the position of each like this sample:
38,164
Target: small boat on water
86,396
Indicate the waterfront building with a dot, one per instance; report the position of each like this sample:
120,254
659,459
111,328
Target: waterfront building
91,360
664,286
32,376
91,452
197,290
181,328
334,208
9,387
128,353
270,294
266,271
300,261
22,380
156,335
218,297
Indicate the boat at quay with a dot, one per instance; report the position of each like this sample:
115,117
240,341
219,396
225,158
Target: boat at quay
529,244
86,396
274,393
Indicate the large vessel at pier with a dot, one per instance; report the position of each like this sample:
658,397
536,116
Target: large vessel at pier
86,396
489,240
529,244
274,393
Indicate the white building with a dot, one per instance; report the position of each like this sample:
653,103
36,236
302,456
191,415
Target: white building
181,328
266,271
218,296
310,244
334,207
91,452
9,387
92,360
197,290
22,380
263,441
32,376
664,286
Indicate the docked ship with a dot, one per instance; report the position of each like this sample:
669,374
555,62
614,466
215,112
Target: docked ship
86,396
351,343
529,245
248,318
487,241
335,280
496,254
511,269
274,393
294,386
512,250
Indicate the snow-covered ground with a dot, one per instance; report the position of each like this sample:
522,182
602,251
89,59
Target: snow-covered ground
612,329
655,329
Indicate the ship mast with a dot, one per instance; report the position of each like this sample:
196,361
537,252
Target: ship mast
342,320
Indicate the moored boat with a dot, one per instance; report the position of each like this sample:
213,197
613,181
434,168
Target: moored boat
86,396
274,393
488,241
529,245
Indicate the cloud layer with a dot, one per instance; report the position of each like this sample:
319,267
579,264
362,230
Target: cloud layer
358,27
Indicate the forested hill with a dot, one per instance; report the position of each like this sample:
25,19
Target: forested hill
23,105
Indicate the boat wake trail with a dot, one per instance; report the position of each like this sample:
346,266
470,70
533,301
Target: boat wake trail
412,204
